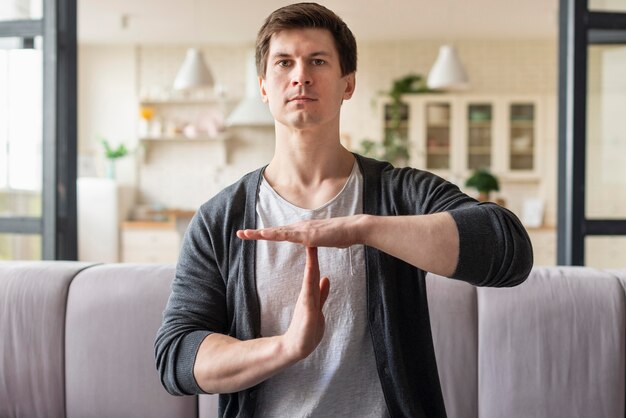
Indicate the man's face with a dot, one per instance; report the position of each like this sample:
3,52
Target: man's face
303,82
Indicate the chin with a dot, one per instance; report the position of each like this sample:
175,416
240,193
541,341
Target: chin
301,121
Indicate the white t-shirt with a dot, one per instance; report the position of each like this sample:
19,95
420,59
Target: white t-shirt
339,379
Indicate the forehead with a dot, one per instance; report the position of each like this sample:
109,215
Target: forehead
302,42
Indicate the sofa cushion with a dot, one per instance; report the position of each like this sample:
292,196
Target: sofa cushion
32,326
553,346
454,323
208,406
113,313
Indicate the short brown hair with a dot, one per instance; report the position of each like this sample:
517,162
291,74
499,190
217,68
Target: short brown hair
307,15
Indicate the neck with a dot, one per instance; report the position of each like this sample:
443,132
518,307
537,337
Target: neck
308,156
309,167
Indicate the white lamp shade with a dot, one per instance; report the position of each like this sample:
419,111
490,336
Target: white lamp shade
194,72
447,71
251,111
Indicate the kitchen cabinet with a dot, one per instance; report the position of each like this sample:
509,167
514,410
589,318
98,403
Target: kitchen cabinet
150,242
452,135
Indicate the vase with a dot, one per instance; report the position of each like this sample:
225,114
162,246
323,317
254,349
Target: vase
110,169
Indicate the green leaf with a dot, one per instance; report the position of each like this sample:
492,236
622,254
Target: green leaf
111,153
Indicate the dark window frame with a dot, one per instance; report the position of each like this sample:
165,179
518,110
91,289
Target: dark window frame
58,222
578,28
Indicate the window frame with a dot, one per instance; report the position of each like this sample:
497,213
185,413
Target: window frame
578,28
58,222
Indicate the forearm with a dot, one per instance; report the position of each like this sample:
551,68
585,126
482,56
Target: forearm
429,242
225,364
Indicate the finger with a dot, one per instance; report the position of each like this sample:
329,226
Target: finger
250,234
324,290
268,234
312,263
310,283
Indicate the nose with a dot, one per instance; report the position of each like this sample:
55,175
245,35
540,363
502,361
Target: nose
301,76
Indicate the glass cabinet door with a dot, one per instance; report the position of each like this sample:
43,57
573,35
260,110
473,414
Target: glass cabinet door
396,133
479,136
397,121
522,136
438,128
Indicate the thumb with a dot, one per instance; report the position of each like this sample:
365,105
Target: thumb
324,290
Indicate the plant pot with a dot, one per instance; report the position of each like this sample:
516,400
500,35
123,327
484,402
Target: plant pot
483,197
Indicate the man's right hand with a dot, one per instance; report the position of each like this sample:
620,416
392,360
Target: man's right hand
307,325
225,364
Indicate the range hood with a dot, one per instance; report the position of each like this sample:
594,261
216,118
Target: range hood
251,111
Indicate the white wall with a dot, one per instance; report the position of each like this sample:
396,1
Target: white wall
107,107
185,175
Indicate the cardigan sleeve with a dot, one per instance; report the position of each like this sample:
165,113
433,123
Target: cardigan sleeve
494,247
195,309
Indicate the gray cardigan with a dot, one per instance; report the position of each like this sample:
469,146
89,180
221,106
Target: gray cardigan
214,289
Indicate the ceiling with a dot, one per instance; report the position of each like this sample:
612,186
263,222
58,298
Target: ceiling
237,21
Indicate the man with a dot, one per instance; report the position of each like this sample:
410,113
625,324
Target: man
244,320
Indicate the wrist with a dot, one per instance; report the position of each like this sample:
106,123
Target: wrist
286,352
364,229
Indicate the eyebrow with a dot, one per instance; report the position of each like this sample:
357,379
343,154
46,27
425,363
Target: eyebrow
313,54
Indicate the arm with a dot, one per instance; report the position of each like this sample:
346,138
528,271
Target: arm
193,348
225,364
483,244
429,242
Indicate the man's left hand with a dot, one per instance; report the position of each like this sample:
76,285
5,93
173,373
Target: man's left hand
339,232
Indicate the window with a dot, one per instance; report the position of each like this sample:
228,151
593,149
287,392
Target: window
38,129
591,216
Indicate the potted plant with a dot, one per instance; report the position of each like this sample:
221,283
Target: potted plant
483,181
113,154
394,147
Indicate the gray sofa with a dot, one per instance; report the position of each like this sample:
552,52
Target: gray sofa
76,340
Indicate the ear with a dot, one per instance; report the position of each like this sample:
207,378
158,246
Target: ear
262,89
350,85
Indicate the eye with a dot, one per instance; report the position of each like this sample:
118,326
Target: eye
283,63
319,61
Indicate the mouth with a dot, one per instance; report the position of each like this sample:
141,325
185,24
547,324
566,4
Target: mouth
301,99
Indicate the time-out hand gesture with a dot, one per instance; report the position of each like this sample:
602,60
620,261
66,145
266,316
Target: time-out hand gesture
339,232
307,325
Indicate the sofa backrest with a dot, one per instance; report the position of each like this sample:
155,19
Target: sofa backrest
113,313
454,322
551,347
33,299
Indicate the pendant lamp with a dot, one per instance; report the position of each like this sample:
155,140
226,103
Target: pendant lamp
251,111
447,72
194,72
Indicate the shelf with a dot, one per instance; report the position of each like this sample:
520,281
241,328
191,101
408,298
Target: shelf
523,153
222,140
401,125
181,138
525,123
437,151
479,150
184,102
